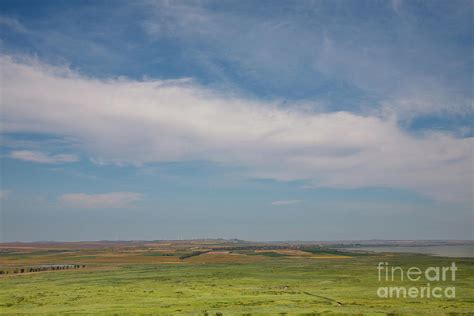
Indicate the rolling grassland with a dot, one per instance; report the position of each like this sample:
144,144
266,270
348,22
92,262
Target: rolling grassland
213,278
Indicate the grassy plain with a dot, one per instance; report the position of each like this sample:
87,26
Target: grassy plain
203,277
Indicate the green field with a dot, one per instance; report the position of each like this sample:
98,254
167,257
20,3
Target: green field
140,280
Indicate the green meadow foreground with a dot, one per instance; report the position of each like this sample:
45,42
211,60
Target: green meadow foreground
218,277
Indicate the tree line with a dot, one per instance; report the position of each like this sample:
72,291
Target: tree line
42,268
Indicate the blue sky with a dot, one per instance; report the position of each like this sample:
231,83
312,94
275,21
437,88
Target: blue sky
268,120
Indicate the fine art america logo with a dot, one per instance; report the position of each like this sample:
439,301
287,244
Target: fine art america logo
432,279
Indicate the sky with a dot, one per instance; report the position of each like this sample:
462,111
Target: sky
257,120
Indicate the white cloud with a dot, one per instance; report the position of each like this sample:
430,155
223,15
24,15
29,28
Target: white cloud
4,194
125,121
104,200
286,202
40,157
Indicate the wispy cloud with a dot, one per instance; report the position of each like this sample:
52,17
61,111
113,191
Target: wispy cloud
4,194
13,24
286,202
103,200
401,56
40,157
141,122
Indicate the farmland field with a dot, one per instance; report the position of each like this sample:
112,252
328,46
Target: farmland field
204,277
